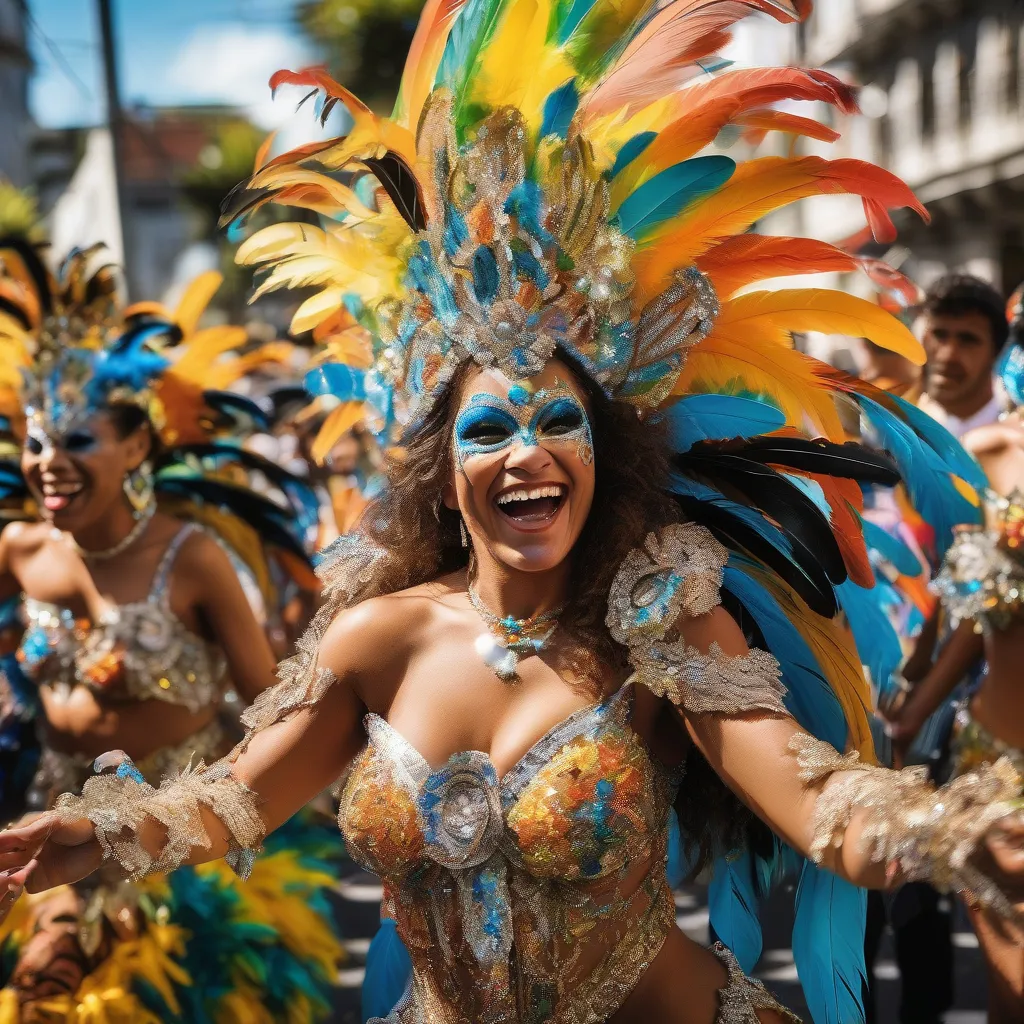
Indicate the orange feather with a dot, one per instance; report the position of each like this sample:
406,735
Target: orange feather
744,259
756,189
759,122
425,54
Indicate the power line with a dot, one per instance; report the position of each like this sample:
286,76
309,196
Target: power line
58,56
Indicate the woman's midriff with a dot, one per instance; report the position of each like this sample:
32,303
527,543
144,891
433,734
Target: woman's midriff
78,723
999,705
681,986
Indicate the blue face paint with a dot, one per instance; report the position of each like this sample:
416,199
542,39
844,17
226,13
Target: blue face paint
492,423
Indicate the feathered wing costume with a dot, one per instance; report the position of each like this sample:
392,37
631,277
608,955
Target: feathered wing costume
543,183
196,946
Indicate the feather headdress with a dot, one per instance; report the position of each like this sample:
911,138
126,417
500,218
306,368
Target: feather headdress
543,185
69,348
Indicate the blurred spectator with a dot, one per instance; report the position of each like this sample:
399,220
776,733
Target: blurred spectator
963,328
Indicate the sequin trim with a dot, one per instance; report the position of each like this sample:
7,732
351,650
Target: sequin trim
67,773
930,833
742,997
676,572
981,581
118,805
712,683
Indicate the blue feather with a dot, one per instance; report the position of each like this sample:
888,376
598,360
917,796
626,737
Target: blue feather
942,442
877,641
579,10
716,417
343,382
670,192
559,110
891,548
828,945
810,699
388,972
733,907
631,149
925,473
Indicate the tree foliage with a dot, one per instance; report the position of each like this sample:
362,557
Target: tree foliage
364,42
19,212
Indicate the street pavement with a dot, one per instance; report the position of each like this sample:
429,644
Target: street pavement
359,901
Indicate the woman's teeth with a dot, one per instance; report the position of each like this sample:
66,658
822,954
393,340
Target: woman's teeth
531,504
57,497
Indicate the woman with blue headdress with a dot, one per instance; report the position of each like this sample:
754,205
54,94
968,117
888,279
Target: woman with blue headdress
126,569
605,571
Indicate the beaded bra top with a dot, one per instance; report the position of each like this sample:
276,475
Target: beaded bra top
534,897
983,575
135,651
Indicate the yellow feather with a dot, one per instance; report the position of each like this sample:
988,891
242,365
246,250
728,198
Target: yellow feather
965,490
727,365
519,67
832,644
195,300
314,310
338,422
777,313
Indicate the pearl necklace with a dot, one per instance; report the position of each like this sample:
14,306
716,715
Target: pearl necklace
123,544
508,639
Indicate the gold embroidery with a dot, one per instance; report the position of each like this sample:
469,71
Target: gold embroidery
931,833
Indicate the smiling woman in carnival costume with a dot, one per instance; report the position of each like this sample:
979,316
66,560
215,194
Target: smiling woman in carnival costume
568,591
135,623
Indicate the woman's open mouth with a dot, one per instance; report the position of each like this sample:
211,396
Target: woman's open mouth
58,496
531,506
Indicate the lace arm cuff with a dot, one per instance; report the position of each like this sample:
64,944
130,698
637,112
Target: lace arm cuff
931,833
118,805
712,683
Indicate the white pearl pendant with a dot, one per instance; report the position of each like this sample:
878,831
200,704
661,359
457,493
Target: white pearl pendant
495,656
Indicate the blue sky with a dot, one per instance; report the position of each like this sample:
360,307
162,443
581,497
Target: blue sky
174,51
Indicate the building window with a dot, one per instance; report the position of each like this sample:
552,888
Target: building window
928,96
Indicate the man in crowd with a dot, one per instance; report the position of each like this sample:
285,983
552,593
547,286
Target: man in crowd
963,329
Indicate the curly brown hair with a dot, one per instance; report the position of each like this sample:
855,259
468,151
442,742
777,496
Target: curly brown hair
420,541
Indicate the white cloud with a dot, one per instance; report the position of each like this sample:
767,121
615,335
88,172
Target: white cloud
232,64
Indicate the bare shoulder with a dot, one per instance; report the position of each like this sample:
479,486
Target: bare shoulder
22,539
993,439
201,557
716,627
374,641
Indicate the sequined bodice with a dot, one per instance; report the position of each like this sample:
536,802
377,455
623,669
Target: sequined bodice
549,883
135,651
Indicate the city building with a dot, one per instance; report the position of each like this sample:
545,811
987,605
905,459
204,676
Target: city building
15,68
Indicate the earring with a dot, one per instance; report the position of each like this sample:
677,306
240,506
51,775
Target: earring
139,489
462,532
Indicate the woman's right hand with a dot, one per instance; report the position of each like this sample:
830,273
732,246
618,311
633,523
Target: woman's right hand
45,853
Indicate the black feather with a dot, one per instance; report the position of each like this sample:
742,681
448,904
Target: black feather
799,518
262,515
810,581
401,185
848,461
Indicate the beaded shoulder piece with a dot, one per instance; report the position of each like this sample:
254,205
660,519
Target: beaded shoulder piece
678,573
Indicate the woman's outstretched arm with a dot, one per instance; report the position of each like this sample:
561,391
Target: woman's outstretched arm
303,732
868,824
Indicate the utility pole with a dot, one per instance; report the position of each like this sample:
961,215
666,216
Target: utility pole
115,122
